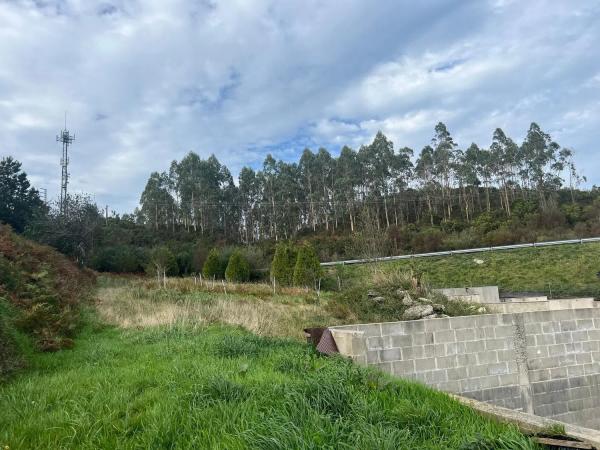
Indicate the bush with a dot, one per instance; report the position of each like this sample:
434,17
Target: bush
238,268
307,269
284,261
162,261
212,266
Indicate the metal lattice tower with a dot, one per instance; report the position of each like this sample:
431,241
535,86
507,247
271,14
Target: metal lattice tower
66,139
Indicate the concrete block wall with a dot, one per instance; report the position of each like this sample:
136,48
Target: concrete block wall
546,363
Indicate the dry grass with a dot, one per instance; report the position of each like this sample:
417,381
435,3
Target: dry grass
139,303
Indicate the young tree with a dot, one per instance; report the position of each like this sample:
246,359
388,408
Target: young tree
19,202
307,270
212,266
284,261
238,268
162,263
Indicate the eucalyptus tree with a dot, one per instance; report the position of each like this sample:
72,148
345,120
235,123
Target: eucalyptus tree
346,181
504,154
444,149
156,201
425,171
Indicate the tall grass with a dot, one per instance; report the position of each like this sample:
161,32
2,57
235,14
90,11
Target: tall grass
138,302
219,387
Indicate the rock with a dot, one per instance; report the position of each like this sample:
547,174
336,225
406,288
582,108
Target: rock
481,310
401,292
378,300
417,312
478,261
372,294
424,300
407,300
439,308
431,316
443,315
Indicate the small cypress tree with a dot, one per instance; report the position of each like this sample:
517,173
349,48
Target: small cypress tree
307,270
282,267
238,268
212,266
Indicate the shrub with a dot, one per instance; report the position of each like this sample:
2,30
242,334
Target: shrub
212,266
284,261
238,268
162,262
307,269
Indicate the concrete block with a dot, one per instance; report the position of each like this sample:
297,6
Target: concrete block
539,375
375,343
596,356
400,340
563,314
465,334
557,349
372,356
559,385
568,325
550,327
414,326
583,358
544,339
566,360
488,357
391,354
565,337
471,384
559,408
506,355
424,364
509,379
467,359
450,386
371,329
575,371
435,376
384,367
580,335
439,324
490,332
497,369
530,340
558,372
412,352
489,382
392,328
592,368
575,347
543,410
533,328
424,338
444,336
456,374
496,344
403,367
585,324
475,346
591,346
537,352
477,371
455,348
446,362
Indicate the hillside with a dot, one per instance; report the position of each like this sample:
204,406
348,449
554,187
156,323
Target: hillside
562,271
40,298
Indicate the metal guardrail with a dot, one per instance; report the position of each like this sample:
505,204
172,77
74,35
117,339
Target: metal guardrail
460,252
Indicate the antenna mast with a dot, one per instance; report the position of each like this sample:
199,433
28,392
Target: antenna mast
66,139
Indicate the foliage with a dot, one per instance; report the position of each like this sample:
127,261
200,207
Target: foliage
120,259
307,270
162,262
213,267
238,268
19,202
284,261
247,392
40,296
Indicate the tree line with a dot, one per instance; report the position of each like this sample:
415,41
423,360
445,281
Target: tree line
377,184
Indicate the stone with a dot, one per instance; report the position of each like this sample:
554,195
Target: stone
402,292
378,300
431,316
481,310
424,300
438,308
407,300
417,312
372,294
478,261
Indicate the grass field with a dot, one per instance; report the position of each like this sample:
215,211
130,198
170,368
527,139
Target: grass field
223,388
566,270
154,369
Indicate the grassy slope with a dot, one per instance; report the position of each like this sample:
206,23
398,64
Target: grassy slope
216,387
567,270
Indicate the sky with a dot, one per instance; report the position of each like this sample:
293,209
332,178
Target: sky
145,82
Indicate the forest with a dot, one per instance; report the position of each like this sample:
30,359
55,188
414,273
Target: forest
375,201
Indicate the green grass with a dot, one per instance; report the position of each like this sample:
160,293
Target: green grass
223,388
566,270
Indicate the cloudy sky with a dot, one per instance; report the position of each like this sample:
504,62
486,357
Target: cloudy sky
146,81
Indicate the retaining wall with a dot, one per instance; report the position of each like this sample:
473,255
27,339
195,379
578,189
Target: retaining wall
546,363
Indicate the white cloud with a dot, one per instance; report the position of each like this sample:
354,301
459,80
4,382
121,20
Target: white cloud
146,81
